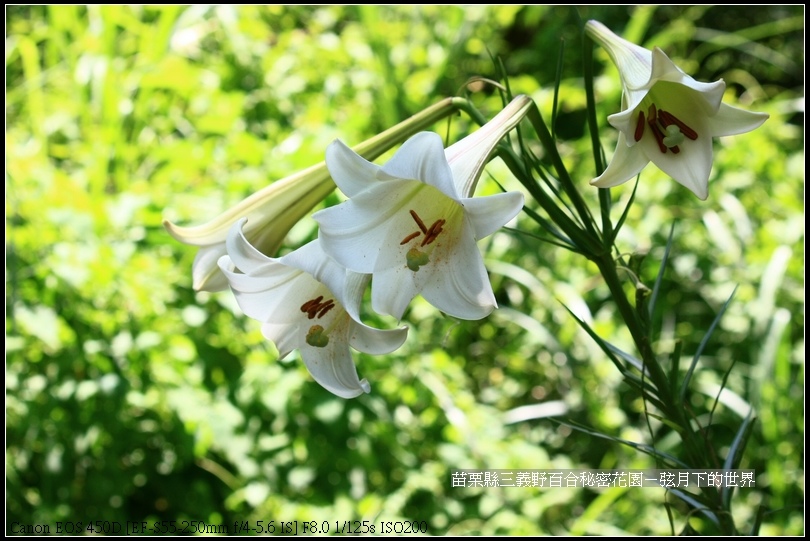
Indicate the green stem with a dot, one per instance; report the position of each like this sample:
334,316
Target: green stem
694,444
583,241
562,173
593,127
380,143
593,124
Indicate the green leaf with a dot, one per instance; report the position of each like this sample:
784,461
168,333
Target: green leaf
661,269
702,346
735,454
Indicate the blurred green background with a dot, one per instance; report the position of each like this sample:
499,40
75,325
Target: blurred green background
130,397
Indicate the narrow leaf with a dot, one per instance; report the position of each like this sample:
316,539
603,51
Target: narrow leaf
623,217
660,277
735,453
702,346
604,346
697,506
557,80
644,448
675,365
758,520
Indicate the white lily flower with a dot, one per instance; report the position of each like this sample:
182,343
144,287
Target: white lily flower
275,209
412,223
667,117
306,301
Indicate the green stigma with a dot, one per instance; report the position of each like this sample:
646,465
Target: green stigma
416,259
316,337
674,136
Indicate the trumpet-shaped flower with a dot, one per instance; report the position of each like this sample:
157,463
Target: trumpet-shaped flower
306,301
271,213
412,223
667,117
275,209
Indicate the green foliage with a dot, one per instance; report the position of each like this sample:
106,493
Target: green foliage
129,397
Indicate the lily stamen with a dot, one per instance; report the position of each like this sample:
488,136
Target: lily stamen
667,119
410,237
315,308
418,221
325,307
433,232
639,127
656,129
307,306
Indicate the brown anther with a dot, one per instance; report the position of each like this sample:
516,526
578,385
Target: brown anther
668,118
315,308
410,238
657,133
675,149
418,221
312,303
639,127
325,307
651,113
433,232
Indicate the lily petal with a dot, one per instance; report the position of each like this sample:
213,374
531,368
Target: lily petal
633,61
266,297
284,340
665,70
422,158
351,172
243,254
465,293
375,341
393,290
205,274
333,368
468,157
625,164
347,230
733,121
490,213
693,173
